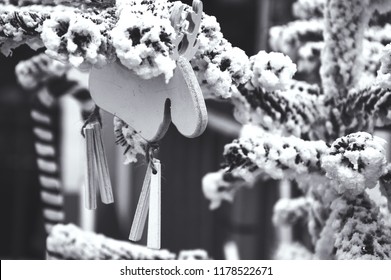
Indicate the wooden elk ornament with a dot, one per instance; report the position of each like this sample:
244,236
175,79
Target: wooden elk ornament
149,105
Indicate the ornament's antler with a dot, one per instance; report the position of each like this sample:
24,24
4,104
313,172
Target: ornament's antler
186,44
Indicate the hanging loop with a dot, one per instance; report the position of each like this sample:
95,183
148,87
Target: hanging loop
153,150
93,117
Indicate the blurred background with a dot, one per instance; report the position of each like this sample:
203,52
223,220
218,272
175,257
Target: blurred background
242,229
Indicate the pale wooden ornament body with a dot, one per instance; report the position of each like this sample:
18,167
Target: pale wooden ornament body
149,105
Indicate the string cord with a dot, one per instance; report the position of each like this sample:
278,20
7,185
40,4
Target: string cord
152,152
93,117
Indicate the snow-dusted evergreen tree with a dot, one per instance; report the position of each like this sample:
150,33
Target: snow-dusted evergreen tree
319,133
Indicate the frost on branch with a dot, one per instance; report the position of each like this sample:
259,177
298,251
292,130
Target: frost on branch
271,71
20,26
290,211
355,230
72,37
143,39
385,187
85,36
344,23
220,186
97,3
307,9
355,162
287,39
128,138
303,41
384,74
292,251
272,100
220,68
308,58
291,112
365,108
68,242
37,70
274,156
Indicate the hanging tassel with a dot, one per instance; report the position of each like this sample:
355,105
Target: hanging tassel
106,191
154,219
90,179
150,200
97,167
140,217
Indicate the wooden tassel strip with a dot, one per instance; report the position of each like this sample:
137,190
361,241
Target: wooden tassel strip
90,179
140,216
106,191
154,220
